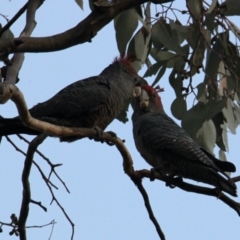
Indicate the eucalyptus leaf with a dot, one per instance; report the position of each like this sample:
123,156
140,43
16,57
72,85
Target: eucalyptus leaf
79,3
125,24
195,8
209,21
162,55
230,117
160,74
179,107
218,121
163,33
176,82
153,69
230,8
193,119
213,60
139,47
212,6
206,136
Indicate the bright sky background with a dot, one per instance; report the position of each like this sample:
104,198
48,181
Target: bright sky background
104,203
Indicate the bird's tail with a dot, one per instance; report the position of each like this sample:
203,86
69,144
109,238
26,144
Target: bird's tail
211,176
9,126
226,185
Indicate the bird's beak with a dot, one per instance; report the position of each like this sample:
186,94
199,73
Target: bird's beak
136,91
144,99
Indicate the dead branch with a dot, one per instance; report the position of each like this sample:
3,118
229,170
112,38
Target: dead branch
26,185
53,166
39,204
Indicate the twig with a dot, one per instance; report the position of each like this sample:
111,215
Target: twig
41,226
13,20
49,162
138,181
39,204
38,167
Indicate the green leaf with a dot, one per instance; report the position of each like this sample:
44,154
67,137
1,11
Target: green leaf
79,3
201,95
218,121
195,8
237,112
160,74
139,47
161,55
206,136
179,107
180,30
193,119
196,40
153,69
212,6
213,60
125,24
224,135
164,34
138,9
230,117
155,37
230,8
176,82
214,107
179,64
222,157
209,21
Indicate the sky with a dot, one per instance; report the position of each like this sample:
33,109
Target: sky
103,203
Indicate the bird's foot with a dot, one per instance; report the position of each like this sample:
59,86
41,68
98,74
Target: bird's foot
98,136
152,175
156,169
171,181
114,136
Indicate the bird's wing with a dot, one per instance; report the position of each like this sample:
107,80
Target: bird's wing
160,133
76,99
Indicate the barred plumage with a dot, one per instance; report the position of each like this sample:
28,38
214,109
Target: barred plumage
165,145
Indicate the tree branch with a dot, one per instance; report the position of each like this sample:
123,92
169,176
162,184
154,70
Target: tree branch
26,185
14,19
81,33
193,188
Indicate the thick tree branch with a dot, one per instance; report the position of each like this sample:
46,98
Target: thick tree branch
81,33
18,58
